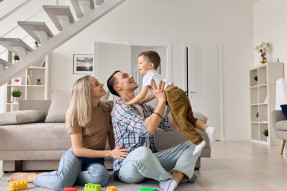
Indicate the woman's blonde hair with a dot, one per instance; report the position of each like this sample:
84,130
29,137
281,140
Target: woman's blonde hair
80,109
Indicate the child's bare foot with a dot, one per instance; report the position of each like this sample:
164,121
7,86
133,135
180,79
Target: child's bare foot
30,177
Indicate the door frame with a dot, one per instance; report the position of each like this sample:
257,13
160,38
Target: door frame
168,73
220,73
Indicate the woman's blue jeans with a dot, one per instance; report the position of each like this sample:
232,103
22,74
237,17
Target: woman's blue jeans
73,169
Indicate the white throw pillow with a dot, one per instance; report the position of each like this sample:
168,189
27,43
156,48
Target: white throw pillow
59,106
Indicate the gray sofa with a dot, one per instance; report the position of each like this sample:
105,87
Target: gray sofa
40,145
279,125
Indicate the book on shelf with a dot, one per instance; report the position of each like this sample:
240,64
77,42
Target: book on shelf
29,80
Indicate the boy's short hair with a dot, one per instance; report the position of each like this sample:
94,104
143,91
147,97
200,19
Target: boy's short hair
153,57
111,82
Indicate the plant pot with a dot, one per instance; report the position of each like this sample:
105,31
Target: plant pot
15,99
267,139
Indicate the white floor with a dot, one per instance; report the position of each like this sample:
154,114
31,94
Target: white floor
241,166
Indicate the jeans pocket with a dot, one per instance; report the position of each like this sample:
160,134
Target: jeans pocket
174,97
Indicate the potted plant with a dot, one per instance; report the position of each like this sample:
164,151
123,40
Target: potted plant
255,78
38,81
36,44
16,94
263,49
265,132
16,57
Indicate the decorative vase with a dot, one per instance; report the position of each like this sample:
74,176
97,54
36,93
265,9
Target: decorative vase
38,83
263,59
15,99
267,139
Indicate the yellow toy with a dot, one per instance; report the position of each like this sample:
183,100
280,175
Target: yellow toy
112,188
18,185
92,187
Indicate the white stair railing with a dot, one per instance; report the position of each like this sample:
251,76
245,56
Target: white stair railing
63,19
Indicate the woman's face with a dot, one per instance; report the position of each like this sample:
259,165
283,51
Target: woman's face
97,90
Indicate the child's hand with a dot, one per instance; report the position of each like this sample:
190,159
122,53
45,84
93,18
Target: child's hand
124,102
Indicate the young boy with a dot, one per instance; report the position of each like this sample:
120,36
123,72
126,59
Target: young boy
177,100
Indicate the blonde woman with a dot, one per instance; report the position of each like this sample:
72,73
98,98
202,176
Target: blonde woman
89,124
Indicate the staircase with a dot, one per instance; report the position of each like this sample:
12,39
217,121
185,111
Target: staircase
62,18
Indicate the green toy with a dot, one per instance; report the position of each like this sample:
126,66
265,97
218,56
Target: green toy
147,189
92,187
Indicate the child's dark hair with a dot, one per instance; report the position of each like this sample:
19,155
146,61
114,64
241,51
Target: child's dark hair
152,57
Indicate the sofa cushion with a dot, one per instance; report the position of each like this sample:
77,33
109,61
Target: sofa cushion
35,137
281,125
59,106
20,117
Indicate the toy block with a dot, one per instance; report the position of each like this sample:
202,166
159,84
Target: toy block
147,189
112,188
18,185
70,189
92,187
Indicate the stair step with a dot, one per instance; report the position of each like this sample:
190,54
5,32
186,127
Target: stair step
56,13
16,45
5,63
79,9
98,2
34,29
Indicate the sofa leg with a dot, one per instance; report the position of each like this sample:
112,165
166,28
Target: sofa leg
282,146
18,166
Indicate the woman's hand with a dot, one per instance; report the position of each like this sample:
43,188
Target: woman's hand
119,153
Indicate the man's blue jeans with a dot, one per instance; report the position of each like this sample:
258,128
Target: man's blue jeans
73,169
141,163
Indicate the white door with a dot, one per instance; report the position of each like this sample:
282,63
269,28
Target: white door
109,57
204,71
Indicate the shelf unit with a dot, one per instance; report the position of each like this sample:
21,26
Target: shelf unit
29,88
262,100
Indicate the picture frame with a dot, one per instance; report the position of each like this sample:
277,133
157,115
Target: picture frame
17,81
83,64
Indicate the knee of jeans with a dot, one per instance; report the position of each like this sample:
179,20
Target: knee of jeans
143,154
98,174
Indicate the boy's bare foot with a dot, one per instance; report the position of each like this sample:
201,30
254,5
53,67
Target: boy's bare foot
30,177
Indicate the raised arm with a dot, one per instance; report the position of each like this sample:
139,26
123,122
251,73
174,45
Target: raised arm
139,97
154,120
149,98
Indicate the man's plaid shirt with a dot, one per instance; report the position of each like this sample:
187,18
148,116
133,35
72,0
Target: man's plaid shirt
129,128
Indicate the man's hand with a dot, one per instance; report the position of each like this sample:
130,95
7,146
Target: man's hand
158,91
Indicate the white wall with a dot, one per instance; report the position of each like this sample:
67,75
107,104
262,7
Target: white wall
270,25
177,21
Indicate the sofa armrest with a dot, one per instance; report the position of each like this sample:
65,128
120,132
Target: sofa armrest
276,115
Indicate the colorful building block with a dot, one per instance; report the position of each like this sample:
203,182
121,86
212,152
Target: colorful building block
92,187
112,188
147,189
71,189
18,185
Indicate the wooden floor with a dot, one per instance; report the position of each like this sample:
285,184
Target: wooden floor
243,166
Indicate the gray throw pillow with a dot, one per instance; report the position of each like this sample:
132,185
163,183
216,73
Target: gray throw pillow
59,106
21,117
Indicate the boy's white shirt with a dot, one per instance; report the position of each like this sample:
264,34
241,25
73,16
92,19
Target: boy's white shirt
153,74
